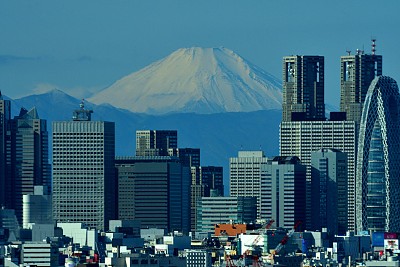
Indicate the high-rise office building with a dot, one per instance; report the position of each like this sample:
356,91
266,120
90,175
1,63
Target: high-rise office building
206,181
329,190
283,191
203,178
155,191
155,142
301,138
303,88
357,73
378,158
304,128
245,175
5,116
30,156
83,170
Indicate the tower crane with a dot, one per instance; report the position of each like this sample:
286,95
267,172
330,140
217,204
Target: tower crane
286,238
256,240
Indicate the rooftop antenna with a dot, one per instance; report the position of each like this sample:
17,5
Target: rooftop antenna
348,52
82,114
373,46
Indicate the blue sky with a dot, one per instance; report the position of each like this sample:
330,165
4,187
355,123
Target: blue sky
84,46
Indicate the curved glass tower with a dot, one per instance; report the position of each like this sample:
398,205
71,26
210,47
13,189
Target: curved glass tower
378,159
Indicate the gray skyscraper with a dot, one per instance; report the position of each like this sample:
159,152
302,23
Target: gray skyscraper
83,170
329,190
301,138
30,158
154,190
303,88
155,142
304,128
283,191
378,158
245,175
356,75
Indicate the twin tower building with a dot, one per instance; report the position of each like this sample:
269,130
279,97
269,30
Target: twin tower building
366,131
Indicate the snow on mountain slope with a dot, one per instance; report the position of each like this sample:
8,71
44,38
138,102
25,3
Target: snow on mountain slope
199,80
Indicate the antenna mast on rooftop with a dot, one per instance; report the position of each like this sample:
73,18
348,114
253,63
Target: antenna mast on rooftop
373,45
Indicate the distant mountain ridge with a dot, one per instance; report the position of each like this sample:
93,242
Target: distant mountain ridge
198,80
219,136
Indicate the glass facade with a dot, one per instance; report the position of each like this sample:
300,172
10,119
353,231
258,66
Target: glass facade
378,159
376,194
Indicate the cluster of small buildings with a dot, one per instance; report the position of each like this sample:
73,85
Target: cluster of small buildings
333,178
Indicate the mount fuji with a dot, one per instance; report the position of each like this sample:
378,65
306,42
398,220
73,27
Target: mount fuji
195,80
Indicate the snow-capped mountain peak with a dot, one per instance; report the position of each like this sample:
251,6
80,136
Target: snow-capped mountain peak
200,80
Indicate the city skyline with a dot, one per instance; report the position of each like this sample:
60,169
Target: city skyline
300,170
77,50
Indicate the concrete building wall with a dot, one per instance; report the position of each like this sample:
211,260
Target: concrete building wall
283,188
39,254
37,208
301,138
245,175
219,210
84,172
329,190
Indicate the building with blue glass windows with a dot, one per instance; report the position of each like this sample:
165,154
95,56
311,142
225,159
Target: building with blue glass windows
378,159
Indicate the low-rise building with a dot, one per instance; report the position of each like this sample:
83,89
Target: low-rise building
39,254
198,258
217,210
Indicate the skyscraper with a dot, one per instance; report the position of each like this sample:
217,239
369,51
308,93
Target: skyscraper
154,190
304,128
83,170
378,158
245,175
5,116
155,142
301,138
30,156
329,190
283,191
206,181
356,74
303,88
